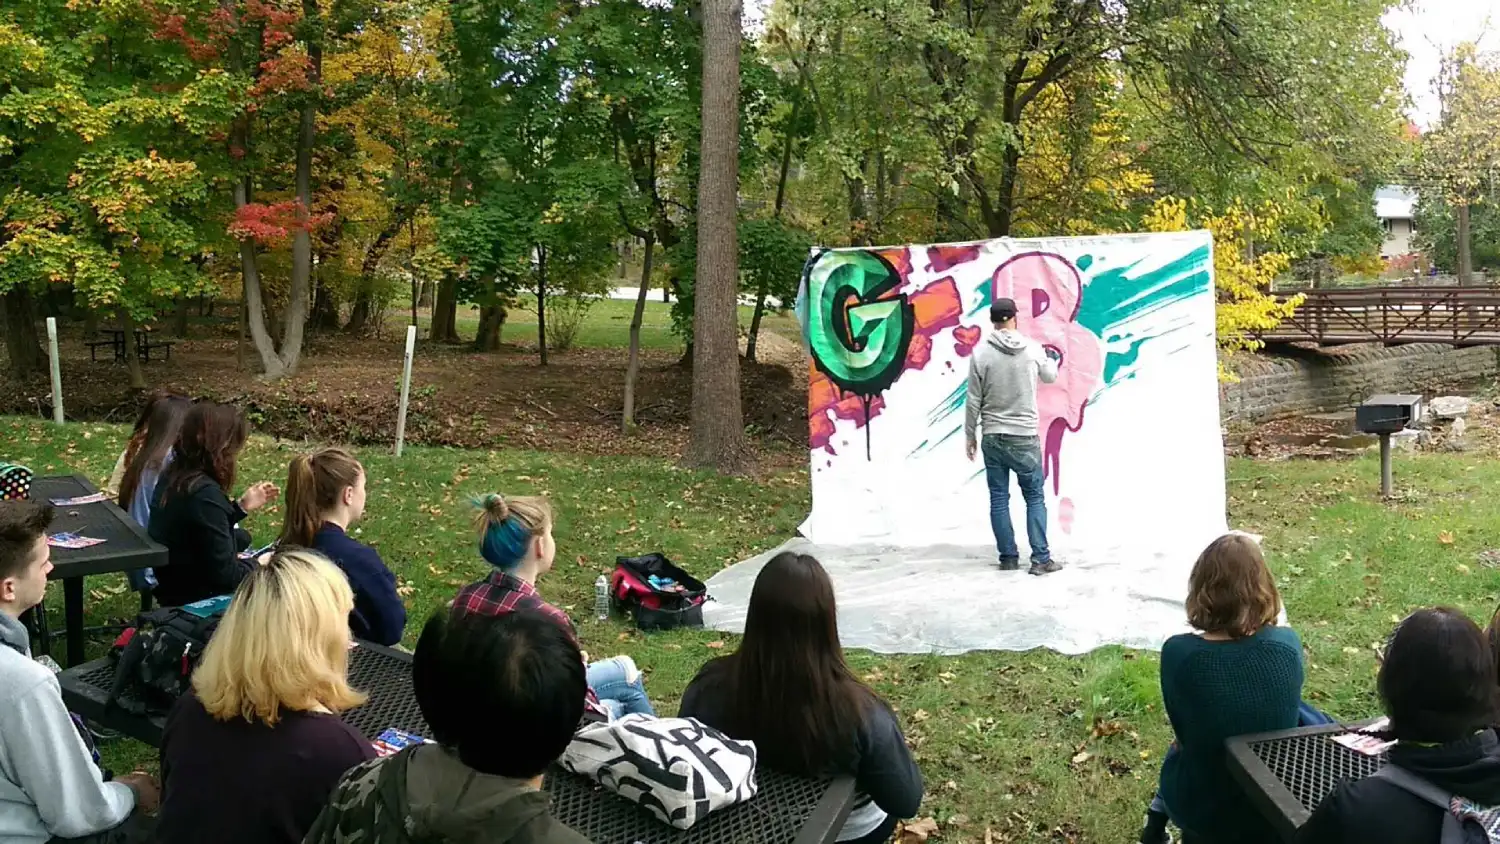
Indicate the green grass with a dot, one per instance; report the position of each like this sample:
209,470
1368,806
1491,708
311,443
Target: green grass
607,324
996,733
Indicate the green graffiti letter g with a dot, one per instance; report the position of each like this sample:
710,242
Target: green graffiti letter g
859,328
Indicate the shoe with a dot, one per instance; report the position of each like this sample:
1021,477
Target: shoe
1155,831
1010,564
1046,568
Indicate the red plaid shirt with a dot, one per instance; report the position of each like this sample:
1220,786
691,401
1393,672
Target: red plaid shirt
502,593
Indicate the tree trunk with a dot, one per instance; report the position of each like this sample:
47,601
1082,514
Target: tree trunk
755,317
364,299
325,312
90,323
633,367
718,431
445,310
180,318
541,303
132,358
21,341
491,322
1465,249
255,306
760,294
307,133
241,328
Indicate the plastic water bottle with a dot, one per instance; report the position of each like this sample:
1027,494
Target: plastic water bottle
601,598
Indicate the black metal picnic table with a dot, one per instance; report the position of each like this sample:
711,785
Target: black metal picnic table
126,547
785,810
117,344
1288,773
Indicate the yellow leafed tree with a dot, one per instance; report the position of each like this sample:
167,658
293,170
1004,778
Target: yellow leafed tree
1242,275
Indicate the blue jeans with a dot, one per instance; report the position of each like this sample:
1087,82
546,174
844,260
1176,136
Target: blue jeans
1004,454
609,680
1307,716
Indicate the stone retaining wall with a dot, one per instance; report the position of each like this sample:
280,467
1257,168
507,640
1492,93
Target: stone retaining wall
1287,384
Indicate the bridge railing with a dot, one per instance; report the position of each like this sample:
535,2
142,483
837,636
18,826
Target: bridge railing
1456,315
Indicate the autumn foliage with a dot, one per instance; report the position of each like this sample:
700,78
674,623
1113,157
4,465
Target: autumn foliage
274,224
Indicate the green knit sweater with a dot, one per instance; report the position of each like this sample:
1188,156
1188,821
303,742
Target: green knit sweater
1213,691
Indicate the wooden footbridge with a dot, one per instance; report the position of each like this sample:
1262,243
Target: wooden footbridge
1459,316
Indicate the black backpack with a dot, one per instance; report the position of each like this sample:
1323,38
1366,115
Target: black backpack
155,659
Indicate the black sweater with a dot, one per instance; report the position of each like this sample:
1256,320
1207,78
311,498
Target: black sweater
882,767
1374,811
198,527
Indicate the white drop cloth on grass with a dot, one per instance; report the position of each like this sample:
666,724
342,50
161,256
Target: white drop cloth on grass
948,600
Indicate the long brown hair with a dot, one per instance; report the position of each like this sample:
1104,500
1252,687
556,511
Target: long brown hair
314,483
1231,590
155,432
792,692
208,445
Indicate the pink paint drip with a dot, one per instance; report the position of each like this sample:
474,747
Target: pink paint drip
1052,287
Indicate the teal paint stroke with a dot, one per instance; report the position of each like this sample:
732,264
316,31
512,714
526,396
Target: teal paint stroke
1114,298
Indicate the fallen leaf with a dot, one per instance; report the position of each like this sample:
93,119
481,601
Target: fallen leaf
958,820
916,832
920,715
989,837
1349,650
1462,569
1446,537
950,785
716,645
1081,757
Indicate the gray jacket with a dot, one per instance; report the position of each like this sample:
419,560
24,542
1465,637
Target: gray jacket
49,784
1003,372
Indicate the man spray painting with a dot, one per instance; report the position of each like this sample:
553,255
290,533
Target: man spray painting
1001,406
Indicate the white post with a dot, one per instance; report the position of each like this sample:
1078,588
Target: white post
57,406
411,345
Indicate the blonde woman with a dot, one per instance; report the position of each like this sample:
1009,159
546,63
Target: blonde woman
253,751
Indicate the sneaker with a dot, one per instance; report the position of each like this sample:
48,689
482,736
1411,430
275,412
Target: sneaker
1010,564
1155,831
1046,568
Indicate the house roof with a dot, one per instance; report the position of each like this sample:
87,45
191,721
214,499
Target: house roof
1393,202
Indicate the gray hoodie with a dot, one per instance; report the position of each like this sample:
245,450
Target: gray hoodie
1003,372
49,784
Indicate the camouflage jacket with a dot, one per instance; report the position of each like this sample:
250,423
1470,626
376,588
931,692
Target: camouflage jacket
424,794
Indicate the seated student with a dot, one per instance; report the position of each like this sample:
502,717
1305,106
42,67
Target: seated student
515,536
1241,674
1155,831
250,755
789,690
1437,685
502,696
325,494
51,790
193,515
146,456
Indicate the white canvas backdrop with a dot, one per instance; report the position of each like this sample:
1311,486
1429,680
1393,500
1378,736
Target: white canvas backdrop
1135,492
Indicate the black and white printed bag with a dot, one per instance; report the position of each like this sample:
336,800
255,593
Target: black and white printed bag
677,768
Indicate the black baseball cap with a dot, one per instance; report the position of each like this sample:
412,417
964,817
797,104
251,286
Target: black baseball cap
1002,310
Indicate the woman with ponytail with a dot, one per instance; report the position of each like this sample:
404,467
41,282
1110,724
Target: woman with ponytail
515,537
325,494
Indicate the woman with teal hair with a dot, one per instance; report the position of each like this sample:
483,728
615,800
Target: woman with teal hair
515,537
